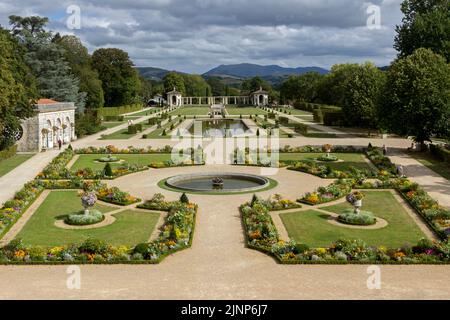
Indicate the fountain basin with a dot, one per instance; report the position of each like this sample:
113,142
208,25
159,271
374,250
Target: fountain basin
232,182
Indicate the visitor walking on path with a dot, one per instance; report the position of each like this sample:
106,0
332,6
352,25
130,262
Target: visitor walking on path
400,171
59,143
385,150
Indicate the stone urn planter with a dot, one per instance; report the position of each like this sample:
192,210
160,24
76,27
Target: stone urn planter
357,204
355,199
88,200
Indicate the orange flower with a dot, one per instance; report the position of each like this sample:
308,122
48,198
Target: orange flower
20,254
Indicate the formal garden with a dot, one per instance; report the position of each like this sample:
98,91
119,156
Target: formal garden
363,212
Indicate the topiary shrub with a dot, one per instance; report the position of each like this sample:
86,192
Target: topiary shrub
81,219
363,218
184,198
107,170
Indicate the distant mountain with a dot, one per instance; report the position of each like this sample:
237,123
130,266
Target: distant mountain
155,74
247,70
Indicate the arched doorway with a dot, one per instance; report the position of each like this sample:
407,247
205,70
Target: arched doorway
174,100
261,99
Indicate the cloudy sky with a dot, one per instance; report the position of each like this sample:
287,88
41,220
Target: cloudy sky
197,35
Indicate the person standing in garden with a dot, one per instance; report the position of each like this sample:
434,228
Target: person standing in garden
385,150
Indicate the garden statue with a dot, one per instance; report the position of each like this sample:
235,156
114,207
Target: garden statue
217,182
88,200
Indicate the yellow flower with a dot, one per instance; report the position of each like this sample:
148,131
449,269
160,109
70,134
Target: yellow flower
20,254
56,250
321,250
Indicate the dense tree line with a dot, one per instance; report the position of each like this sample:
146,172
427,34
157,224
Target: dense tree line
36,63
411,98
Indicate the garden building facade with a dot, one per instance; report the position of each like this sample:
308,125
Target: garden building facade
53,121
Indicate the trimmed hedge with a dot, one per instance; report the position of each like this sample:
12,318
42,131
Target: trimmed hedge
114,118
8,153
333,117
301,128
440,152
117,111
318,115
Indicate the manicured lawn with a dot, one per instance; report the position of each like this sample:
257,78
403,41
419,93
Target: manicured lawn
157,133
295,112
356,160
191,111
113,124
441,168
312,228
245,111
130,228
320,134
123,134
88,160
9,164
145,112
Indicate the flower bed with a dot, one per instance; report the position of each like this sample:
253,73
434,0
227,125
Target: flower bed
171,164
115,196
334,191
157,202
261,234
130,150
326,172
177,234
57,168
383,163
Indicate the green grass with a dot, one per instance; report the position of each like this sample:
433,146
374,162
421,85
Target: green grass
356,160
245,111
123,134
157,133
144,113
88,160
11,163
295,112
441,168
130,228
112,124
191,111
318,134
312,228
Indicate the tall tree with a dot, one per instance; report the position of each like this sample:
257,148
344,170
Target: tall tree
301,88
332,88
195,85
253,84
417,96
120,80
361,96
426,24
174,80
46,60
80,63
17,89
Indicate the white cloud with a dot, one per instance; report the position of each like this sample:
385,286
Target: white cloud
196,35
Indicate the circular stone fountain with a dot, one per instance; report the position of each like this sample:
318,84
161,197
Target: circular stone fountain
218,182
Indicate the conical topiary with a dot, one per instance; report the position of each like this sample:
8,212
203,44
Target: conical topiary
184,198
107,171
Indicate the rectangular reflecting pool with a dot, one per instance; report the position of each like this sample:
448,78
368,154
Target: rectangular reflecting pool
218,128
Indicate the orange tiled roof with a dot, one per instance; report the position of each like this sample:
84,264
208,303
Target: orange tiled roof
46,101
